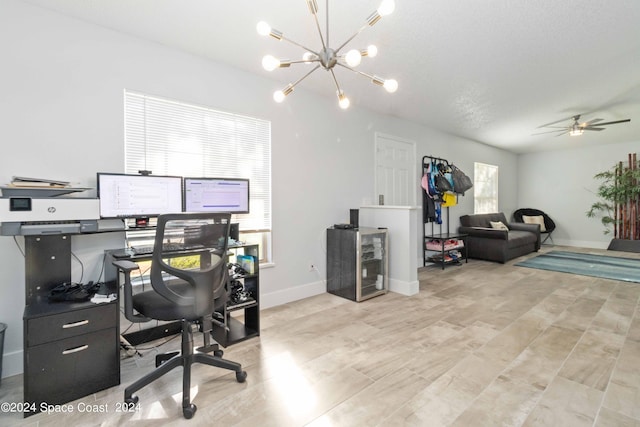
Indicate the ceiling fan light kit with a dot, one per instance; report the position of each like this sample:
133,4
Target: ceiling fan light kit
328,58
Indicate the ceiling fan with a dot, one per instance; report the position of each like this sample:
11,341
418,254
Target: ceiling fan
577,128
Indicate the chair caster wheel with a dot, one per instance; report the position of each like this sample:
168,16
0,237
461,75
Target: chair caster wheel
241,376
218,353
189,411
131,400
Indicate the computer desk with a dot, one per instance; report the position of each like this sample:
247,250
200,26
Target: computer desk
73,349
70,349
230,331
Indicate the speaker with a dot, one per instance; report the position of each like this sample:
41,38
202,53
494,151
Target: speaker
234,231
354,216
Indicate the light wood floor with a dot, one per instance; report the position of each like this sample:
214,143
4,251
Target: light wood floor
483,344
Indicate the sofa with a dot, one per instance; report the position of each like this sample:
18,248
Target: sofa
493,244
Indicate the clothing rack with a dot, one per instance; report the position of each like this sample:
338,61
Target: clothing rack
427,161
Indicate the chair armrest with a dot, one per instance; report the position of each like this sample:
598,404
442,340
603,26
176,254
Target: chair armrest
490,233
126,267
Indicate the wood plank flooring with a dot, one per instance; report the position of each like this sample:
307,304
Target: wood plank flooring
483,344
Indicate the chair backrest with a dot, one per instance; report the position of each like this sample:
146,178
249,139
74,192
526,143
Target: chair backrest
549,225
191,248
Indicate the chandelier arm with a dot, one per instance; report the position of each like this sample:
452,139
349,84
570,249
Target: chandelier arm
301,61
362,73
302,46
327,20
351,38
335,80
305,76
315,18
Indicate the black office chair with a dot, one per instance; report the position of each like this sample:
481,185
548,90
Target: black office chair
549,225
189,279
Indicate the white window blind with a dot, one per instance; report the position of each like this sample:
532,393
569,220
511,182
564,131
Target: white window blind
169,137
485,185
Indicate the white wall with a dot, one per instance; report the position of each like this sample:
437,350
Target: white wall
61,108
561,184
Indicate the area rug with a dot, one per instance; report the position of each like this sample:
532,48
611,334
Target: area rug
607,267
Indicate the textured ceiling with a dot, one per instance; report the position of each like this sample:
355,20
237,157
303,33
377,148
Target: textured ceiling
488,70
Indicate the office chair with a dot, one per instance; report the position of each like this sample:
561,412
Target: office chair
549,225
189,282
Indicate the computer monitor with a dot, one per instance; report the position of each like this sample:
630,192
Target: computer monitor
216,195
138,196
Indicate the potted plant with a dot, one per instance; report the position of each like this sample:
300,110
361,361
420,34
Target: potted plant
619,207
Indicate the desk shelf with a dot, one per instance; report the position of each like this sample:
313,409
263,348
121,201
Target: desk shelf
234,330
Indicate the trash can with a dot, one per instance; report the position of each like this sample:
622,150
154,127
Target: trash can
3,328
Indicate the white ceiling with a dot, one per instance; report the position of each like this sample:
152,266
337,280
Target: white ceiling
488,70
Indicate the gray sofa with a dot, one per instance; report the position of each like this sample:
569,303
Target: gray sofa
484,242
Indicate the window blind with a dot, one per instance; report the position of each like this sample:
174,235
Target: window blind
169,137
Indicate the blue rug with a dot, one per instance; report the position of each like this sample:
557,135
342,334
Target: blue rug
607,267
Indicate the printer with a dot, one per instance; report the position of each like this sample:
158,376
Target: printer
23,215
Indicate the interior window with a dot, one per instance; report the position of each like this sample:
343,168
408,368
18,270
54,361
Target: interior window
485,185
169,137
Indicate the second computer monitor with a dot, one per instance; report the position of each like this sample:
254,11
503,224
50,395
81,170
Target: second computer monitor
216,195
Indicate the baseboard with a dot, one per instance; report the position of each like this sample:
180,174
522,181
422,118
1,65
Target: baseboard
295,293
404,288
578,243
12,364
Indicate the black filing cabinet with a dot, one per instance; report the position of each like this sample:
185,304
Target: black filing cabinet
70,349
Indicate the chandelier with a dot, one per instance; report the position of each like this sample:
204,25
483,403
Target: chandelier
327,57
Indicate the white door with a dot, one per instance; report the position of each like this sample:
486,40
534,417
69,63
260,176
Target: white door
395,171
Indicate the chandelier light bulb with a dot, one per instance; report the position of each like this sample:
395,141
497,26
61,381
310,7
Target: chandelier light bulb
390,85
270,63
386,7
343,101
353,58
372,51
263,28
278,96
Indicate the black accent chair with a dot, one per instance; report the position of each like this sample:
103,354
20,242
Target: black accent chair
189,280
549,225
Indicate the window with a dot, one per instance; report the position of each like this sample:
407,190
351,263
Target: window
170,137
485,193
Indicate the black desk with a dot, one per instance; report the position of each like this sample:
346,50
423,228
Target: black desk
232,331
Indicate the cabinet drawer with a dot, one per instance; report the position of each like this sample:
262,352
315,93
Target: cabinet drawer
65,370
68,324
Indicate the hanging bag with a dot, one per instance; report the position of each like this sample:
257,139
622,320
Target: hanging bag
461,182
442,184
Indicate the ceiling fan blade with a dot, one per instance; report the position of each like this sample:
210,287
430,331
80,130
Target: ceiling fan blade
563,133
546,125
592,128
590,122
613,123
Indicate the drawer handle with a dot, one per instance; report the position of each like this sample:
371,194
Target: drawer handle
76,324
75,350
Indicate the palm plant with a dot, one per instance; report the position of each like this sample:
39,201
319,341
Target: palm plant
620,205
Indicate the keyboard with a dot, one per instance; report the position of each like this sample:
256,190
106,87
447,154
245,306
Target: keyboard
166,247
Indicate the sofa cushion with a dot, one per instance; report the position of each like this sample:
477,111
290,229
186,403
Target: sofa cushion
498,225
520,238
